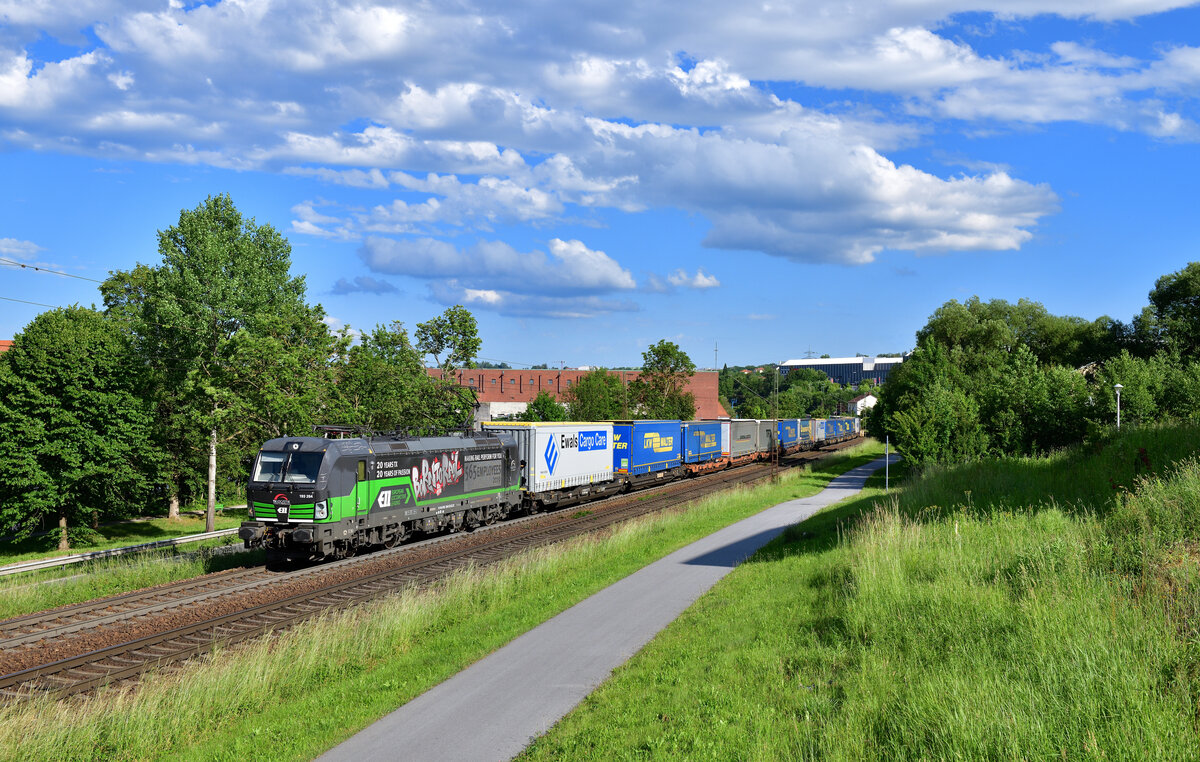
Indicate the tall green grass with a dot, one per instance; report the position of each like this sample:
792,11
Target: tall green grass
294,695
1021,609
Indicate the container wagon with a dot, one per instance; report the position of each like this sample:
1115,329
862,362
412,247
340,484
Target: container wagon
702,448
645,450
561,463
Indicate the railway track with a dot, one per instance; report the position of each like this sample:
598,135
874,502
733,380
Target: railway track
316,589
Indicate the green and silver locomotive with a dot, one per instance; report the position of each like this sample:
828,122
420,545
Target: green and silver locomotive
312,498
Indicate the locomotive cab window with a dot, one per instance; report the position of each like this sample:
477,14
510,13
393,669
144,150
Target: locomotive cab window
269,467
303,467
362,470
292,468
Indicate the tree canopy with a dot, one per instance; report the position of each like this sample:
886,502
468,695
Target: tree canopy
598,396
75,437
660,390
221,297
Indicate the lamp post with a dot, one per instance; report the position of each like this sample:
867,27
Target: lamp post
1118,388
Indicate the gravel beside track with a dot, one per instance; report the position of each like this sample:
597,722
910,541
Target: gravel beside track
77,648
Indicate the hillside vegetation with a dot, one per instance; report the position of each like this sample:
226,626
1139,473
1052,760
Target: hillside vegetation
1025,608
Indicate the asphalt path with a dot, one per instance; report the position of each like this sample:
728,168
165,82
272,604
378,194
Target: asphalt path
493,709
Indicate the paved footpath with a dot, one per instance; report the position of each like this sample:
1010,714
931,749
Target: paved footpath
493,709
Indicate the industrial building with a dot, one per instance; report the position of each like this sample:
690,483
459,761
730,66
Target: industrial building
846,370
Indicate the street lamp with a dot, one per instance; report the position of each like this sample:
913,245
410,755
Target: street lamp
1118,389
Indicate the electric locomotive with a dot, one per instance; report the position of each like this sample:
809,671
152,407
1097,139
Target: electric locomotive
312,498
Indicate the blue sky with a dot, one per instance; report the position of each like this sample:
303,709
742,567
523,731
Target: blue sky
589,178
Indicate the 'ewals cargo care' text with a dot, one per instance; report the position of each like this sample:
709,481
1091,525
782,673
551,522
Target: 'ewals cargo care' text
584,441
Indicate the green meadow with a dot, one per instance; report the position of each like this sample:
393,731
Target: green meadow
1027,608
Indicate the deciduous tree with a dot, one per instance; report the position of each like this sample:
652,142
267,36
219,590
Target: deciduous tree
221,275
544,407
74,435
660,391
598,396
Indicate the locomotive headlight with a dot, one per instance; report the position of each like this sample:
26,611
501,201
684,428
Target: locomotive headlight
321,510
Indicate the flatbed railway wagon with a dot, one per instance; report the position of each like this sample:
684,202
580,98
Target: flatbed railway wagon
702,446
312,498
560,463
646,451
788,434
840,429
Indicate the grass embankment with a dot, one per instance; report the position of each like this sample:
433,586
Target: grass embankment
297,694
116,535
1024,609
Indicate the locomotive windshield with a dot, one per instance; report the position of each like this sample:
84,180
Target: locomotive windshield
293,468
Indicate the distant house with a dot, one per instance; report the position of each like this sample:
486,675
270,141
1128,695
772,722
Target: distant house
5,345
860,403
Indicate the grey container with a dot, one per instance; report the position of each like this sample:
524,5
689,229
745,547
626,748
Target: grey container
765,441
743,437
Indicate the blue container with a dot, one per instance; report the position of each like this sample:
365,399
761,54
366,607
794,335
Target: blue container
806,432
789,432
836,428
701,441
643,447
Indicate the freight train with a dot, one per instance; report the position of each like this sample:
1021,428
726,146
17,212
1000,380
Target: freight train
314,498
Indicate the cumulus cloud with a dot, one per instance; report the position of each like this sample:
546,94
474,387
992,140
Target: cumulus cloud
314,223
573,281
475,115
14,247
571,267
700,280
337,324
528,305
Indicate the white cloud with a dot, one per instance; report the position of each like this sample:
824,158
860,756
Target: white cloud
353,178
337,324
700,280
528,305
477,115
571,268
314,223
14,247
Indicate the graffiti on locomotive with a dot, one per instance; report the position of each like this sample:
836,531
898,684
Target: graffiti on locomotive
436,473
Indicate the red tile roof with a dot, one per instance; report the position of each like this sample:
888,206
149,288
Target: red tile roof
5,345
523,385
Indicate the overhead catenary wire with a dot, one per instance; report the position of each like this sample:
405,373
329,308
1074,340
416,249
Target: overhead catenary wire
24,266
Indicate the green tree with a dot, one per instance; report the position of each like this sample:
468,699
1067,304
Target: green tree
598,396
1142,380
454,334
1175,300
74,435
660,390
223,280
379,382
543,407
940,425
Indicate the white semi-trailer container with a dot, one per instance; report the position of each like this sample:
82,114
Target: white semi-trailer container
558,456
